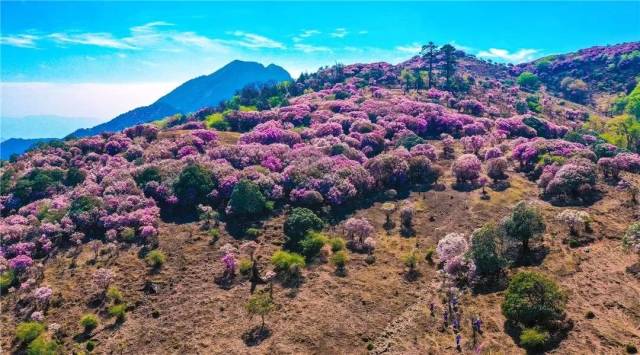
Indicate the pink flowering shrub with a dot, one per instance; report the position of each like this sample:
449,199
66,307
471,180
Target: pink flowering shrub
466,168
357,231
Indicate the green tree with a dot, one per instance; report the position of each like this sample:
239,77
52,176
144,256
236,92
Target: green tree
428,53
419,81
486,250
407,78
533,299
450,60
247,200
524,224
193,186
633,102
623,131
298,224
260,304
528,81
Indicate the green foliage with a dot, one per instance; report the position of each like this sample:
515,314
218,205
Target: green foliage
524,224
84,204
36,183
409,141
149,174
618,105
522,107
337,244
534,338
119,311
633,102
214,234
339,259
74,176
244,267
485,250
42,346
631,349
7,278
287,262
533,299
114,295
90,345
533,103
89,322
27,331
217,121
411,259
298,224
312,244
193,185
252,233
622,131
429,253
543,64
247,201
155,258
528,81
260,304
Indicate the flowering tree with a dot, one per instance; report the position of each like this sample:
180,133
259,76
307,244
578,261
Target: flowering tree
357,230
466,168
577,221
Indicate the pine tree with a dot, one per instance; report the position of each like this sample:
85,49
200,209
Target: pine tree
428,53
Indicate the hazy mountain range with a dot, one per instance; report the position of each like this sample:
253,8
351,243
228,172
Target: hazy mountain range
18,134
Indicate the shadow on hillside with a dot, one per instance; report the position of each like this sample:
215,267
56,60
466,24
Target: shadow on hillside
558,331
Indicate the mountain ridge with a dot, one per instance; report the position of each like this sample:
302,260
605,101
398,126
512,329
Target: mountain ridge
194,94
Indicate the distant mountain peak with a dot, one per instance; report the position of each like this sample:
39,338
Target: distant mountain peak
203,91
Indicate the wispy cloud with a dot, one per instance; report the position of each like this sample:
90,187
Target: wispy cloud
412,48
91,39
307,48
254,41
519,56
305,34
339,33
363,32
23,41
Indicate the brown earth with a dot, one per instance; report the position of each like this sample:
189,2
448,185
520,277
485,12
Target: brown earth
372,304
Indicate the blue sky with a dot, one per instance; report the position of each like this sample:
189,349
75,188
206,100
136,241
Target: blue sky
97,59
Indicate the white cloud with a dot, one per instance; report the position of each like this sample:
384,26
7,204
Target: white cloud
307,48
363,32
104,100
339,33
91,39
23,40
520,56
305,34
254,41
413,48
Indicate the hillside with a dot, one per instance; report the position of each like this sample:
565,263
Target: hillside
13,146
197,93
359,212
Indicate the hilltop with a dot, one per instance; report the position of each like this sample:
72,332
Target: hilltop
356,209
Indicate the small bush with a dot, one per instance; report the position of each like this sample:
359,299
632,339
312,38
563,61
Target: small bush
312,244
337,244
193,185
90,345
118,310
590,315
89,322
214,234
288,264
339,259
155,258
27,331
42,346
411,260
631,349
428,254
7,278
114,295
533,338
252,233
298,224
244,267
